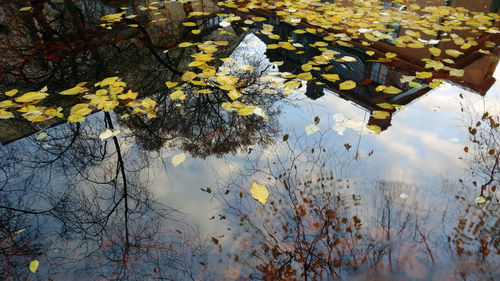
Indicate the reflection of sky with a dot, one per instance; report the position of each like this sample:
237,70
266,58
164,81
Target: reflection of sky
422,146
419,150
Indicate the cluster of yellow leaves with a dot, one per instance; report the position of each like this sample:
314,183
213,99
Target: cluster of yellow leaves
110,95
26,105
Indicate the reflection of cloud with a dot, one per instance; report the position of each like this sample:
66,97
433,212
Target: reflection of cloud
179,188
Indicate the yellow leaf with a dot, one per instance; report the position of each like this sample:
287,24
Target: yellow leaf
306,67
486,52
247,110
204,91
374,128
278,63
11,92
129,95
305,76
221,43
196,63
299,31
234,94
24,9
5,114
31,96
209,72
457,72
385,105
246,67
379,114
74,91
188,76
286,46
108,81
178,159
196,31
34,265
171,84
414,84
392,90
348,59
227,80
259,19
453,53
423,75
370,53
435,51
189,23
380,88
347,85
273,46
259,192
177,95
184,45
390,55
331,77
293,83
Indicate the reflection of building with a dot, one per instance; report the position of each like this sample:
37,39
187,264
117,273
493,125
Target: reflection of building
368,72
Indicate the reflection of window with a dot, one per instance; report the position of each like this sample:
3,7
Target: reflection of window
379,73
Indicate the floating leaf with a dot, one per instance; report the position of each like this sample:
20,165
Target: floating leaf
106,134
480,200
34,265
453,53
423,75
374,128
5,114
41,136
234,94
457,72
385,105
24,9
305,76
306,67
435,51
11,92
379,114
370,53
177,95
311,129
185,44
178,159
331,77
259,192
347,85
348,59
31,96
390,55
392,90
171,84
188,76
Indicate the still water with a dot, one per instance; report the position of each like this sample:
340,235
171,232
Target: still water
370,129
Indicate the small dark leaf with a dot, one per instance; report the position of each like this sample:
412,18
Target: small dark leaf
285,137
215,240
316,120
466,149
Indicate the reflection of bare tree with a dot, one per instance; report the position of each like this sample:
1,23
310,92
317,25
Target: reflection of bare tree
198,124
91,202
320,225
